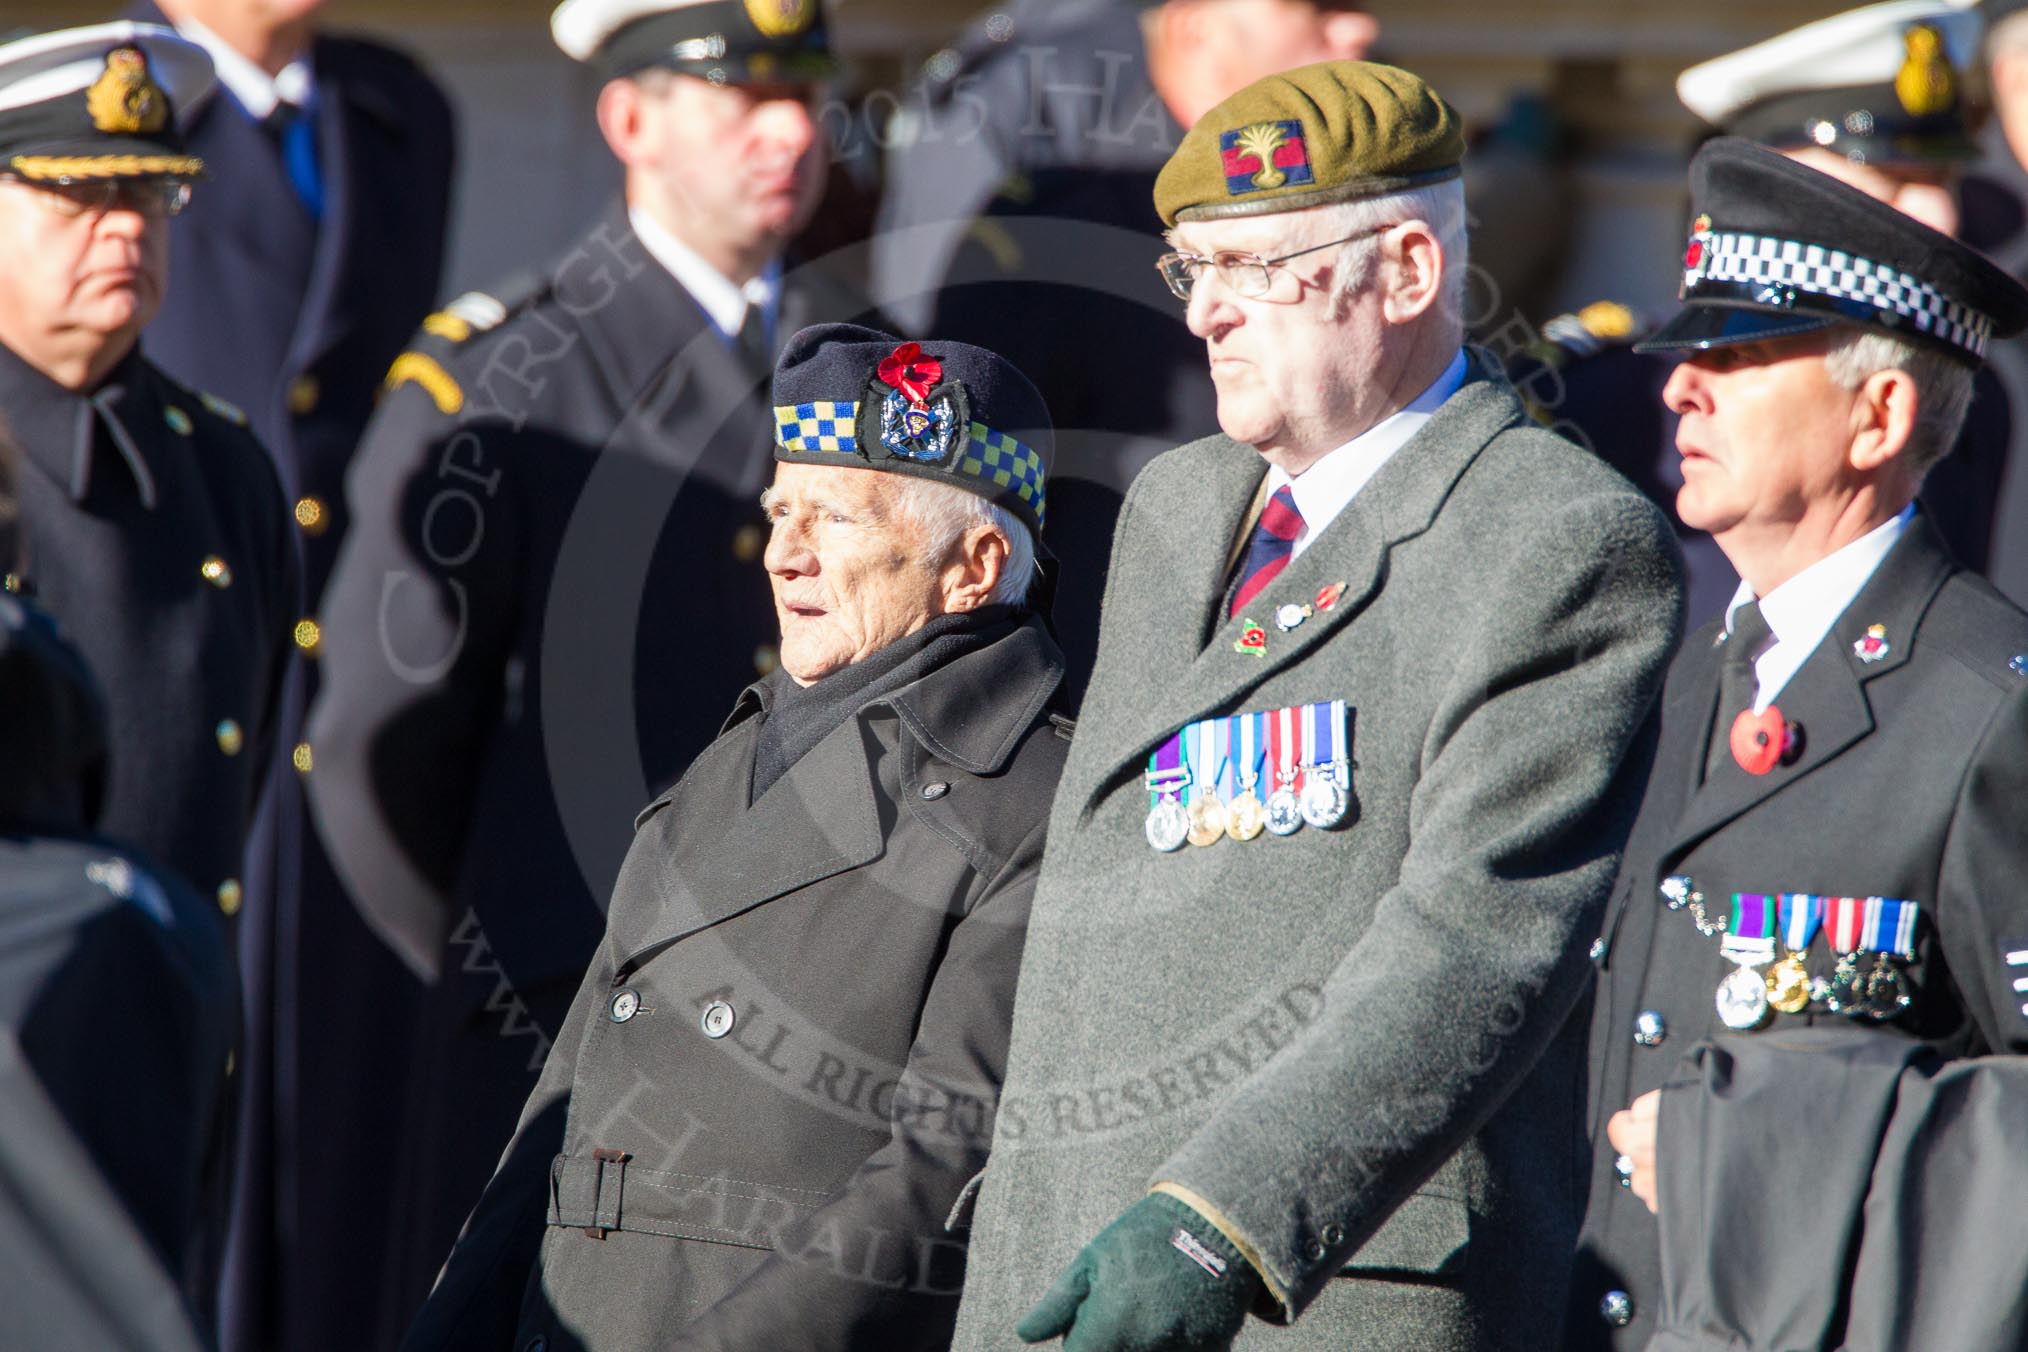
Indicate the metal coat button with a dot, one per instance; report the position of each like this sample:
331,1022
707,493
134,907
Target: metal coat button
1318,1253
1650,1029
626,1004
1334,1234
718,1019
312,515
1617,1309
229,896
1597,949
230,738
304,394
215,571
934,790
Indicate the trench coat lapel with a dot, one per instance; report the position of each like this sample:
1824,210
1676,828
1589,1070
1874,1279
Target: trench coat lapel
1827,696
1192,656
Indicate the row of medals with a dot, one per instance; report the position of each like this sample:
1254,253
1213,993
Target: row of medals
1323,801
1746,999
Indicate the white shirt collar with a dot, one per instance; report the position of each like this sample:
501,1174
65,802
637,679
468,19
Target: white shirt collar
723,299
1328,487
257,91
1802,610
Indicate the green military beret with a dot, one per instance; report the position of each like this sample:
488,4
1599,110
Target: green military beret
1330,132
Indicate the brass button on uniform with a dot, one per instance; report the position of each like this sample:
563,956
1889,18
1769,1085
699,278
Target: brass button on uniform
302,759
308,636
747,543
229,896
215,572
312,515
766,659
230,738
304,392
718,1019
1616,1308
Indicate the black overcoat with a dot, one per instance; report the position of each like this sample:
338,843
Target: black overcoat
781,1069
1910,781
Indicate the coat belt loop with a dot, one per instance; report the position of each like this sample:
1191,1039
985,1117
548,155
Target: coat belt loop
604,1220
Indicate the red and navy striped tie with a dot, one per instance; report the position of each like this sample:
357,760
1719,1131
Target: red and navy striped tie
1274,540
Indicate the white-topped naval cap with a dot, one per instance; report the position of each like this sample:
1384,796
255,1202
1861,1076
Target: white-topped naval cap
1859,47
581,27
51,65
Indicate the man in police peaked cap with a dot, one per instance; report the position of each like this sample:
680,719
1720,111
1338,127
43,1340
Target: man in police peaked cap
552,588
1883,97
1289,1045
154,529
780,1071
1832,838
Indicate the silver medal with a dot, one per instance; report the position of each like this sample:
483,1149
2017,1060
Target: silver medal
1886,990
1323,802
1168,825
1284,813
1742,1000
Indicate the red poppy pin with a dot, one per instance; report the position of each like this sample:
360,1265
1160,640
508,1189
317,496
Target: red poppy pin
1252,639
908,371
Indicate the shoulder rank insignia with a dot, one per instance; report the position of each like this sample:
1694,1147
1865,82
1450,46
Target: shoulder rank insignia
429,373
473,312
224,408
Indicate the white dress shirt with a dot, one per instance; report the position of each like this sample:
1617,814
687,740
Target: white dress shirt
257,91
724,300
1802,610
1328,487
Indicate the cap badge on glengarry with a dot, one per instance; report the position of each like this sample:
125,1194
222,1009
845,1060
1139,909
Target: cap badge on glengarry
781,18
125,100
1264,155
919,419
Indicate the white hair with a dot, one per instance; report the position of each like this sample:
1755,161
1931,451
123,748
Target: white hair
1441,206
1943,387
946,512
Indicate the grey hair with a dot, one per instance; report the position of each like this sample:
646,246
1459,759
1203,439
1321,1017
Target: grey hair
1440,205
1943,387
945,513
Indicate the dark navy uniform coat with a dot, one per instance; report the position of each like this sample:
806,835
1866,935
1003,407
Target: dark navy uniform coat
552,592
1909,784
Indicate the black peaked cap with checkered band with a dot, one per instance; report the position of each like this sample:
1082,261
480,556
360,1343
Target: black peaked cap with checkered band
950,412
1777,248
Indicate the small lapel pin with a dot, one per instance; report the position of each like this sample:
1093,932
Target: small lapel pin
2019,664
1252,639
1328,596
1288,617
1874,645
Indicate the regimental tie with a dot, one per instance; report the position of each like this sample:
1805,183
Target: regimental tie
1274,542
1737,683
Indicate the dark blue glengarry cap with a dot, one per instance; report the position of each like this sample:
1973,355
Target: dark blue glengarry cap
1777,248
951,412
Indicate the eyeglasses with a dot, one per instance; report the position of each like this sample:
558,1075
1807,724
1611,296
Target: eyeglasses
154,198
1246,273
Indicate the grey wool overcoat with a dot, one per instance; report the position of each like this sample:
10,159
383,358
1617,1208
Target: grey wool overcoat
1350,1042
779,1073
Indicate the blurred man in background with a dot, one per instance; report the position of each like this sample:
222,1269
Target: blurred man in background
314,250
553,590
1017,216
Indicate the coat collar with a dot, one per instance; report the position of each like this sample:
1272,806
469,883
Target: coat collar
1188,647
1827,695
824,815
57,427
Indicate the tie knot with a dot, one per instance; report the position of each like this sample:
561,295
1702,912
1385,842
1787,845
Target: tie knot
1280,517
1750,633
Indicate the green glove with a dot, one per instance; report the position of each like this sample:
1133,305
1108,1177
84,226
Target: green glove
1160,1278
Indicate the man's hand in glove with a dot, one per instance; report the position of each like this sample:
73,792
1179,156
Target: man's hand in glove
1160,1278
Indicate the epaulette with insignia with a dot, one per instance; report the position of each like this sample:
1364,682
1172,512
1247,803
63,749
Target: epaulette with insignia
1588,332
480,311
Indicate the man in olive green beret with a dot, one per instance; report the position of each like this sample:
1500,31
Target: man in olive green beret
1370,710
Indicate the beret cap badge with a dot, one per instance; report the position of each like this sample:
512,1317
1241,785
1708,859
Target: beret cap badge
125,99
919,416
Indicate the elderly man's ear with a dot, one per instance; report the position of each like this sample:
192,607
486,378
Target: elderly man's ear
973,569
1412,268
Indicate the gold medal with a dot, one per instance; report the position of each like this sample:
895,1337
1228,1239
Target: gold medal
1788,985
1207,822
1245,818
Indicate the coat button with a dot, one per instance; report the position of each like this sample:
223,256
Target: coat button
230,738
1617,1309
766,658
747,543
215,571
1317,1252
308,636
1597,949
718,1019
934,790
304,392
1333,1234
626,1004
303,758
229,896
312,515
1650,1029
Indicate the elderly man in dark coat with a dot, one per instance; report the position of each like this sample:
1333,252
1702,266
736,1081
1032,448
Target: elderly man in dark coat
781,1071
